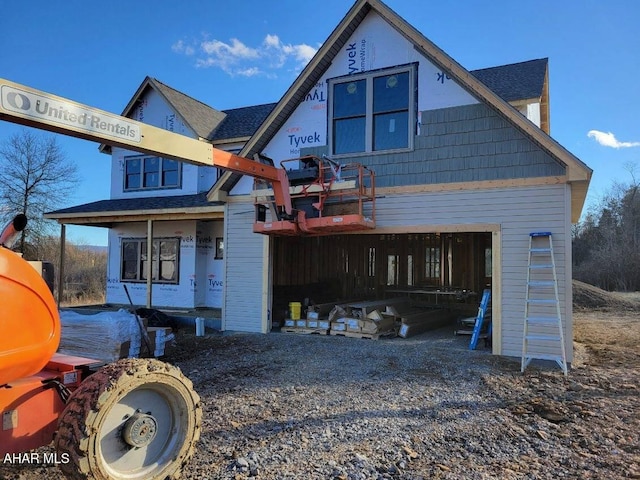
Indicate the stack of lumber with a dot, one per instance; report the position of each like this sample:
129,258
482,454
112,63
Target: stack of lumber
417,320
365,319
369,319
109,336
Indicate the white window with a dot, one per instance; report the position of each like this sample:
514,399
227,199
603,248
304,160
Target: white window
372,112
142,173
164,255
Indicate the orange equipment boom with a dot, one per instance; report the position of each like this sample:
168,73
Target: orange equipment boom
34,108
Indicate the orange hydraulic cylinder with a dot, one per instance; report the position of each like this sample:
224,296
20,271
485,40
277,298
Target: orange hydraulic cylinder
29,319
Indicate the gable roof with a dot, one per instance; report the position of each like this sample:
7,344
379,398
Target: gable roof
516,81
199,117
241,122
578,173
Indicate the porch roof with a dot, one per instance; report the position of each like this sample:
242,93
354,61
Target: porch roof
105,213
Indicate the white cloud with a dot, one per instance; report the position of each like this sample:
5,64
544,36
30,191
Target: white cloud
609,140
181,47
236,51
249,72
237,58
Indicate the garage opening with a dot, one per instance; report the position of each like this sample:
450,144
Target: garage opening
444,272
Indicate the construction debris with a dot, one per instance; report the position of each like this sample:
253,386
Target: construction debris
369,319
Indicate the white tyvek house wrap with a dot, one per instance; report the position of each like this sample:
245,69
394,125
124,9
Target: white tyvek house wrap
154,111
200,274
374,45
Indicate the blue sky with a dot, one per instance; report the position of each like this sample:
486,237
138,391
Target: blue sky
233,54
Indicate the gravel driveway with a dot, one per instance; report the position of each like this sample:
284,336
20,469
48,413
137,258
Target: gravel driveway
287,406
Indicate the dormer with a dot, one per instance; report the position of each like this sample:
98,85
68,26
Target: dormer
525,85
137,175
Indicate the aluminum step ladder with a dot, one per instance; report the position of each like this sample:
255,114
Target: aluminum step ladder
543,336
480,318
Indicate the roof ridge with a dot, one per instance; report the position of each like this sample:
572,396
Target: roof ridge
249,106
183,94
546,59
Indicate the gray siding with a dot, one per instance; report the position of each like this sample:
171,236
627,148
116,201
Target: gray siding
243,276
460,144
518,211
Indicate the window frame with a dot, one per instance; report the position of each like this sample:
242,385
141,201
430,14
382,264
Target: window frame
432,262
140,259
370,115
141,174
219,248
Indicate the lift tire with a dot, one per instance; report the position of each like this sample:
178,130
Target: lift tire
133,419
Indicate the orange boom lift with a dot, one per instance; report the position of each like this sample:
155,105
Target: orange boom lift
135,418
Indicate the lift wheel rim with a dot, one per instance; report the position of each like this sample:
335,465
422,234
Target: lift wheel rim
140,430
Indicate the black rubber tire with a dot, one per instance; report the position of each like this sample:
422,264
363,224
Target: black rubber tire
89,434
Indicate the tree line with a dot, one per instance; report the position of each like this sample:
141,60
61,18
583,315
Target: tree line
35,178
606,244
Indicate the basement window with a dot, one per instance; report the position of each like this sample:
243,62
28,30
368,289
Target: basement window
373,112
164,257
147,173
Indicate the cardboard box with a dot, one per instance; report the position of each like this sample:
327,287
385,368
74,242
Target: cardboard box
353,324
159,336
384,324
338,326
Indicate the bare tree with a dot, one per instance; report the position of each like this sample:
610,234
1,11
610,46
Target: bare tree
85,270
35,177
606,245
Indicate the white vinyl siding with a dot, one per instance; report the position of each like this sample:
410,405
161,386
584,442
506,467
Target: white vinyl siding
515,212
244,307
518,211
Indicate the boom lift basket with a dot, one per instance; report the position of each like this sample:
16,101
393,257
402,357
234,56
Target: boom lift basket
327,198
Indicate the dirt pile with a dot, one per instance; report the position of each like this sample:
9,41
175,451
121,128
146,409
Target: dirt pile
587,296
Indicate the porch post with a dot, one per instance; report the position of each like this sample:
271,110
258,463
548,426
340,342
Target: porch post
149,261
63,233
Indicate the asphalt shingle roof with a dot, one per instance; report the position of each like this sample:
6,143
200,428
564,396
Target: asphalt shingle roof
137,204
200,117
242,122
517,81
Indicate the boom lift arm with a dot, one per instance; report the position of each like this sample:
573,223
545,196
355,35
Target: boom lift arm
34,108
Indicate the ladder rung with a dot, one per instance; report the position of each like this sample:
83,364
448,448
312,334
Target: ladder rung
540,250
544,356
542,338
541,265
543,301
540,234
543,320
542,283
